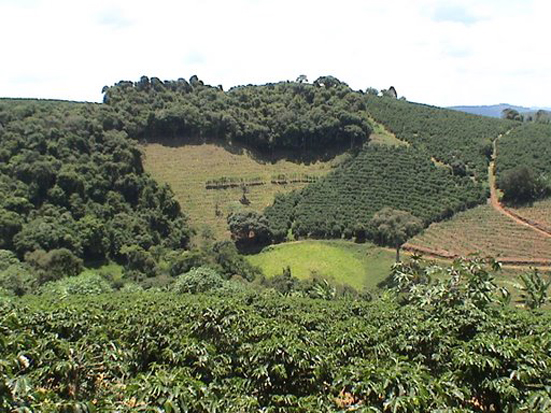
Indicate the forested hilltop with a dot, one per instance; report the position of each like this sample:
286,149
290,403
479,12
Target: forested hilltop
285,115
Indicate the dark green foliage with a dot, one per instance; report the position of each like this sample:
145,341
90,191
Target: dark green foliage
286,115
343,203
230,263
54,264
249,228
511,114
446,135
198,280
85,284
528,145
15,277
221,256
451,346
280,214
69,180
394,227
521,185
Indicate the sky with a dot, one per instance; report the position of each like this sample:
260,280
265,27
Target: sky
440,52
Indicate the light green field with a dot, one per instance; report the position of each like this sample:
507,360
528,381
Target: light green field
382,136
342,262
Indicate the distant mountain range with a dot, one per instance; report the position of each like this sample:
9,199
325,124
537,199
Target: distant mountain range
494,111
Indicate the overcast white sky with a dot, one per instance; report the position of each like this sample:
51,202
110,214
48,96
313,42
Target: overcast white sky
442,52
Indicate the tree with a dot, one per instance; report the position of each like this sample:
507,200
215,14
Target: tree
390,92
249,228
511,114
372,91
54,265
394,227
520,185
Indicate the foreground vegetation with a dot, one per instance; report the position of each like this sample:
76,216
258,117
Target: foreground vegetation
447,345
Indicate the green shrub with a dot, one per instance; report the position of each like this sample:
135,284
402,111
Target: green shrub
199,280
86,284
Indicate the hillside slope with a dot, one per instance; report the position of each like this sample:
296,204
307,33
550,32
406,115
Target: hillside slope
342,203
451,137
232,174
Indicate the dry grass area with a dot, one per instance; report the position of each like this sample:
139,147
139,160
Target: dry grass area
484,230
539,212
187,169
382,136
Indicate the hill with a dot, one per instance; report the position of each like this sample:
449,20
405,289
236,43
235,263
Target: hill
342,203
212,180
320,159
485,231
451,137
493,111
287,115
72,191
528,145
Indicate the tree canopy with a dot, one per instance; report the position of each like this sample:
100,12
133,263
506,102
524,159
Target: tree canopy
394,227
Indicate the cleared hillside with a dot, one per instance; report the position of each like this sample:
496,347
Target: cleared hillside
341,262
485,231
539,213
189,168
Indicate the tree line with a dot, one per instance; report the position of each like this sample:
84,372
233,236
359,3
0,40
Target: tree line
285,115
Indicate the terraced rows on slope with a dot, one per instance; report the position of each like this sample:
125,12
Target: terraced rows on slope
342,203
447,135
188,168
484,230
539,212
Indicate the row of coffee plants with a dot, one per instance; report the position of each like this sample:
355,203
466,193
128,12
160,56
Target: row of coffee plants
342,203
461,140
450,345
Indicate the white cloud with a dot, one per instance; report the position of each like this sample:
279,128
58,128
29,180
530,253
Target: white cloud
440,52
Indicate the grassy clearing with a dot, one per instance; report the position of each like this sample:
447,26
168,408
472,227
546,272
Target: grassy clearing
487,232
382,136
187,169
358,265
539,212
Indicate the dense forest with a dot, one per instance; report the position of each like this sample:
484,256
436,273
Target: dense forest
287,115
70,190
